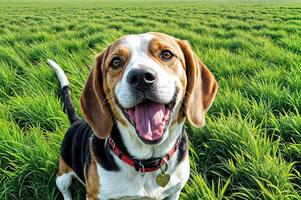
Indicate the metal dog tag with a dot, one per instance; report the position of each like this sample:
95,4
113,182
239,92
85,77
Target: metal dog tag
162,179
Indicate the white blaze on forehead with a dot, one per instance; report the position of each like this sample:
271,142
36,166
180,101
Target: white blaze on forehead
138,44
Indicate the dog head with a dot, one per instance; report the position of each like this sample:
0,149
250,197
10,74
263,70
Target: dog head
147,81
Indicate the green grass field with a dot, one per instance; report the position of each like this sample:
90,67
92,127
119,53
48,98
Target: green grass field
250,147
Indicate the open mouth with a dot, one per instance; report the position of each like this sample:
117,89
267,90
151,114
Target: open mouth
150,119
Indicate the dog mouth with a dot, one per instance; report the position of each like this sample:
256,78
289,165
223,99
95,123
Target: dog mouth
150,119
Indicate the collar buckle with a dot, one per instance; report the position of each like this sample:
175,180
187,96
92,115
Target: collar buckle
164,166
141,168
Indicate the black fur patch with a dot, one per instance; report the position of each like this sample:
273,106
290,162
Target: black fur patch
75,146
68,105
75,149
103,155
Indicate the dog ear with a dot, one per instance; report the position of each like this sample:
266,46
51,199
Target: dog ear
94,105
201,87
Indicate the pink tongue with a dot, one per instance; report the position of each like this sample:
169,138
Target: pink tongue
150,119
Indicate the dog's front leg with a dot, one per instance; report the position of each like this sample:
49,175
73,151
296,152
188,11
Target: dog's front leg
64,179
63,183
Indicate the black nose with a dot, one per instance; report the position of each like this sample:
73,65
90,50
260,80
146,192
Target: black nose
141,79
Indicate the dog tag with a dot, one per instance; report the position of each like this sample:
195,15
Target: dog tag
162,179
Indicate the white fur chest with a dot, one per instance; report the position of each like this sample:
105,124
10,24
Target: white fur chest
129,184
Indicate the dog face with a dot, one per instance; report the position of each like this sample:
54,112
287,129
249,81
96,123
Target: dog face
147,81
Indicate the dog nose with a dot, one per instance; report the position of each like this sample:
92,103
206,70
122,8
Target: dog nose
141,79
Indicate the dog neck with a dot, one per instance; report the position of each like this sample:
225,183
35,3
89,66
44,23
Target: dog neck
134,148
139,150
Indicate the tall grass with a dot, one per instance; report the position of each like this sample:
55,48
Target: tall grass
250,147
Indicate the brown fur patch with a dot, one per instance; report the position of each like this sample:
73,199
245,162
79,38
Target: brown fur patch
93,100
201,87
115,111
92,178
112,77
63,167
95,97
157,45
181,115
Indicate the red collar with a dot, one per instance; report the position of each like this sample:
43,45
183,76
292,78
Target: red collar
148,165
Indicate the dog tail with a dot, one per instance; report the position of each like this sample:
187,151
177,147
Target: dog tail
66,91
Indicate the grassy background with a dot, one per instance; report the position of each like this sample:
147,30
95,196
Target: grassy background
251,145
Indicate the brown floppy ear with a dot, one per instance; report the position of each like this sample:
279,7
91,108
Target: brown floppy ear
201,87
93,101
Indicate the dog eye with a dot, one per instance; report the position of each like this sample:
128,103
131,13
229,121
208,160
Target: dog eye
116,62
166,55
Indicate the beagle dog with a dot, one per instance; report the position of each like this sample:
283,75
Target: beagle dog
131,142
